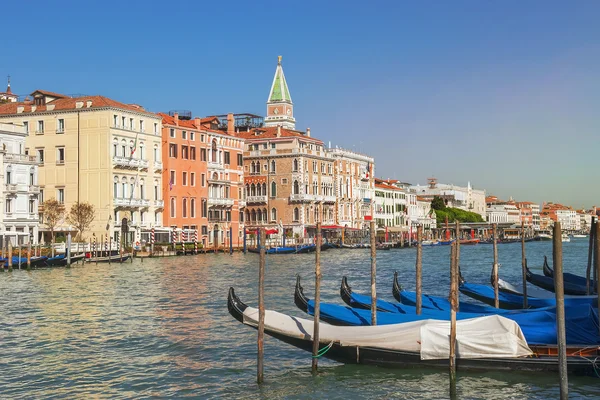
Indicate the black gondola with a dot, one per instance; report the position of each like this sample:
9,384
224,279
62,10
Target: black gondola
568,277
579,362
346,295
547,283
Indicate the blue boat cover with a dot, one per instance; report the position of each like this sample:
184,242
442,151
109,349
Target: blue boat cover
538,326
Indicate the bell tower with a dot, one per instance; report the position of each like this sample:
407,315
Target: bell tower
280,109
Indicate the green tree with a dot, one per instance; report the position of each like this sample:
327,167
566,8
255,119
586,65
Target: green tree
437,203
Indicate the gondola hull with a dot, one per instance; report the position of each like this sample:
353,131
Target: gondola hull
407,359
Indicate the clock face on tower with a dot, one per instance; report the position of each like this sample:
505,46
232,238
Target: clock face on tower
289,111
276,111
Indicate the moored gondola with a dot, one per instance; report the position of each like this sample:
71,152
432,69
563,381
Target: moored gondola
115,258
307,248
568,277
547,283
403,346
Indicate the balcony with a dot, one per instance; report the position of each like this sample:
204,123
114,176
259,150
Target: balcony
304,197
20,158
11,188
219,202
159,203
256,199
131,163
158,166
217,219
131,202
215,165
242,203
329,199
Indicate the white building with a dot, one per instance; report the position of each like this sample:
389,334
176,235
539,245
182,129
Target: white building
464,198
425,215
391,208
585,221
8,96
569,220
354,187
496,214
19,220
535,217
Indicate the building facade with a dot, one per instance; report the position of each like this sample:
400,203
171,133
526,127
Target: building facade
97,150
203,176
19,220
354,188
464,198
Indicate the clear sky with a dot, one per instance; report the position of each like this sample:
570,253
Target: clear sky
504,94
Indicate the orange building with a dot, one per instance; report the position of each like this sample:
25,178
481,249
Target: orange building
203,177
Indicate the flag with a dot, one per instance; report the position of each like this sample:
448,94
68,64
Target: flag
368,169
134,148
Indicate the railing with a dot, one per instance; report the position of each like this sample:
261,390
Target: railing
11,188
214,164
256,199
34,188
159,203
217,219
305,197
329,199
20,158
242,203
128,162
158,166
131,202
220,202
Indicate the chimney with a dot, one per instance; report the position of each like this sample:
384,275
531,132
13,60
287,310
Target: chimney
278,130
308,132
197,123
176,118
230,124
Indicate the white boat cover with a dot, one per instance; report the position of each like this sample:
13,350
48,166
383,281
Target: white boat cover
485,337
532,291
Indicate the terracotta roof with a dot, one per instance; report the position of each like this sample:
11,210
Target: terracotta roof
270,132
387,187
208,119
68,103
47,93
190,124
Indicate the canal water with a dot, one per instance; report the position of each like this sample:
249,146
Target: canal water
160,328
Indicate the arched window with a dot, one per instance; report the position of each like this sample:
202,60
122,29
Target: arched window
253,215
124,187
296,187
115,148
248,216
273,214
258,190
173,207
142,191
131,147
273,189
315,188
123,148
295,165
193,208
142,151
264,214
116,187
184,208
252,167
156,157
264,189
316,214
296,214
132,187
248,190
214,151
272,166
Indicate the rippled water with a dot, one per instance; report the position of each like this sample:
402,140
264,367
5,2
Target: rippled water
161,328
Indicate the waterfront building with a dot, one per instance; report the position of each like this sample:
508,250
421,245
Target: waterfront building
585,220
97,150
8,96
425,215
289,176
19,220
496,214
526,209
203,179
354,187
464,198
568,218
390,209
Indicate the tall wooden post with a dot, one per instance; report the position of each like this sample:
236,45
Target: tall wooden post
560,309
29,255
109,248
317,312
495,233
68,249
590,256
373,275
10,254
419,267
19,255
261,306
453,308
523,266
457,262
597,258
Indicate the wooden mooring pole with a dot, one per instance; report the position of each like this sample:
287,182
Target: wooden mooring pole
523,266
373,275
597,259
419,267
29,255
560,309
261,306
69,249
453,308
588,271
10,254
495,268
317,312
457,263
19,255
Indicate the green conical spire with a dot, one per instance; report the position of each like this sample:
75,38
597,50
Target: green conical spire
279,88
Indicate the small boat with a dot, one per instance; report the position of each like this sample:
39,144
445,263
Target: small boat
420,343
430,243
568,277
307,248
544,236
383,246
469,241
35,261
114,258
579,236
546,282
61,260
565,238
446,242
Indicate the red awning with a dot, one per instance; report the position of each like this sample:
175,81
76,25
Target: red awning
332,227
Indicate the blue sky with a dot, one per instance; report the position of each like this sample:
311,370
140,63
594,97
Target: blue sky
502,94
